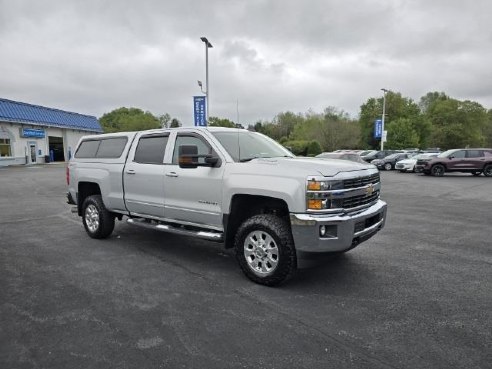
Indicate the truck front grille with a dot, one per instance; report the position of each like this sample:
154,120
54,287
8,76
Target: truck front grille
356,201
361,181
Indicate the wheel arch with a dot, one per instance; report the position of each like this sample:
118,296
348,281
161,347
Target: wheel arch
86,189
244,206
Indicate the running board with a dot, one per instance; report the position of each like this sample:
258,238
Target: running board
206,235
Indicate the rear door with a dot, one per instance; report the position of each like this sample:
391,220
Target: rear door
475,159
143,176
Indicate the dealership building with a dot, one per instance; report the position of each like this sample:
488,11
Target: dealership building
33,134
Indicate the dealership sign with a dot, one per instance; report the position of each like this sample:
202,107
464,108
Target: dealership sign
32,133
199,109
378,128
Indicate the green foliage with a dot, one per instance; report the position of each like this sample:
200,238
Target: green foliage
220,122
298,147
402,134
314,148
456,123
397,107
175,123
128,119
164,120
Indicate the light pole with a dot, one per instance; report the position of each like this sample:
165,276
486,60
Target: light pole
207,88
382,118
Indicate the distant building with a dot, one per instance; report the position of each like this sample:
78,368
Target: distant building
33,134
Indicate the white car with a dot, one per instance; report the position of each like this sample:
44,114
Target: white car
408,165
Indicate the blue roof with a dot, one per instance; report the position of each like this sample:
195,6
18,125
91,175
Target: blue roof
18,112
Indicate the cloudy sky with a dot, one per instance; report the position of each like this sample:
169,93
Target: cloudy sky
268,56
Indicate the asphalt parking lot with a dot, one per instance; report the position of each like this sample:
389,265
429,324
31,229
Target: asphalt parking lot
417,295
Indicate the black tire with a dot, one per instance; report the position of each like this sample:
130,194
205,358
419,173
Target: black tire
265,249
487,170
476,174
438,170
388,166
98,221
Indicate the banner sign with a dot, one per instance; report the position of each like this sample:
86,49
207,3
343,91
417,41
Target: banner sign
378,128
32,133
200,111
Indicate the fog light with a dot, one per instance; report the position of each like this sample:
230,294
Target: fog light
322,231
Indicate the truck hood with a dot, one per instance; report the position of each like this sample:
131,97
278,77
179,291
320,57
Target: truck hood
312,166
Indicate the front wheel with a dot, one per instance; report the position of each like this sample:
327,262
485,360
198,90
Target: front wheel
98,221
265,249
487,170
388,166
438,170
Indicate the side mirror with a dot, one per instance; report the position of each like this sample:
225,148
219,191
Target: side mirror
188,157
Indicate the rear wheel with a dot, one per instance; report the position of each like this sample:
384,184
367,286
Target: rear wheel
98,221
388,166
438,170
265,249
487,170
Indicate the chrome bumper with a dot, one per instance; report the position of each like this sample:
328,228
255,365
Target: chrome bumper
343,231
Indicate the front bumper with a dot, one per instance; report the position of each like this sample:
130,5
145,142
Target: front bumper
344,231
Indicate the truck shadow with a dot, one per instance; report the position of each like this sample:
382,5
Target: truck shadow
211,260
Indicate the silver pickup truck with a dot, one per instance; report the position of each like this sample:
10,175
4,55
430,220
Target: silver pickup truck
279,212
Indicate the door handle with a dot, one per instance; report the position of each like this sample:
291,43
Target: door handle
130,171
172,174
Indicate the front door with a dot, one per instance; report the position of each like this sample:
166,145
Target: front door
31,154
194,195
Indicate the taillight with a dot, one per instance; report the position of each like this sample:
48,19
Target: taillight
68,176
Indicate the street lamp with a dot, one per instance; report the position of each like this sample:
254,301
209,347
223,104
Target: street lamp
207,88
382,119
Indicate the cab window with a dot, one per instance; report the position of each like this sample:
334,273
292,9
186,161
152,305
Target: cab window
203,147
150,149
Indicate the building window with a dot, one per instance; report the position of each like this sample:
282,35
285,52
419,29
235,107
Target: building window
5,149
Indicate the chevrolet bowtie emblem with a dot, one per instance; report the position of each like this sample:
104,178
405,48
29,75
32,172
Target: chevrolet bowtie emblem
370,189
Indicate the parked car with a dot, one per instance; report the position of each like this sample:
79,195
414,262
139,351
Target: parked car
474,161
389,162
408,165
341,156
378,155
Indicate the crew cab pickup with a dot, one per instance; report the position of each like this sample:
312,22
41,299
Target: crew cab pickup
279,212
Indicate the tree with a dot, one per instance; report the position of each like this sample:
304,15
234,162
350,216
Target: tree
397,107
175,123
457,123
402,134
128,119
164,120
220,122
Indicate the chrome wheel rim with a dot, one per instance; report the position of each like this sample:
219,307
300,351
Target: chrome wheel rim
261,253
92,218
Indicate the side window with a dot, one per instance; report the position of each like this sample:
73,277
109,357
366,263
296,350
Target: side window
102,148
474,154
150,149
111,147
487,153
87,149
203,147
459,154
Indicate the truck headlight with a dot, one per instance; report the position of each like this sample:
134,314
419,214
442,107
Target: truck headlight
324,185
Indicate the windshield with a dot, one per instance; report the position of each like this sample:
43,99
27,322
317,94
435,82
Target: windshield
392,156
445,154
246,145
